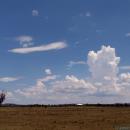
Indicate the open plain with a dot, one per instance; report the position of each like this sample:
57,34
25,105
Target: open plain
64,118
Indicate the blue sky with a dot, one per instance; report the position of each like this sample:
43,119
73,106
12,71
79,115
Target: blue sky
36,36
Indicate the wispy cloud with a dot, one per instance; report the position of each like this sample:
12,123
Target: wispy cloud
88,14
48,71
125,67
8,79
35,12
47,47
24,38
72,63
127,34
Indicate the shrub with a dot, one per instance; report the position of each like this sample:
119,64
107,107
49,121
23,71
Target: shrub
2,97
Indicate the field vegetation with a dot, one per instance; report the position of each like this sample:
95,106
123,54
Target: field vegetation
64,117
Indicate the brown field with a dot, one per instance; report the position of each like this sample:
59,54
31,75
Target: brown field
64,118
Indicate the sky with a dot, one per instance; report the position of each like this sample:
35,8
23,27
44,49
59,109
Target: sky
75,51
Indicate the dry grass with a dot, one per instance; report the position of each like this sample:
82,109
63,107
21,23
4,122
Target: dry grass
63,118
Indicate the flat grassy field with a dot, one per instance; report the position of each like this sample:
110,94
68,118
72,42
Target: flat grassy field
65,118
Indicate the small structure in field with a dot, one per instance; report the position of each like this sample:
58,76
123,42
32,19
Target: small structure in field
79,104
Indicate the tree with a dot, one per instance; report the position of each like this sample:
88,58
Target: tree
2,97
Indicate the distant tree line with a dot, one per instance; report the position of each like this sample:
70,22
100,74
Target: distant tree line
70,105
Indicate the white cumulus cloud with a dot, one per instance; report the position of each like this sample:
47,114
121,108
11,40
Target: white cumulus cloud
125,77
38,89
73,85
103,66
103,63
